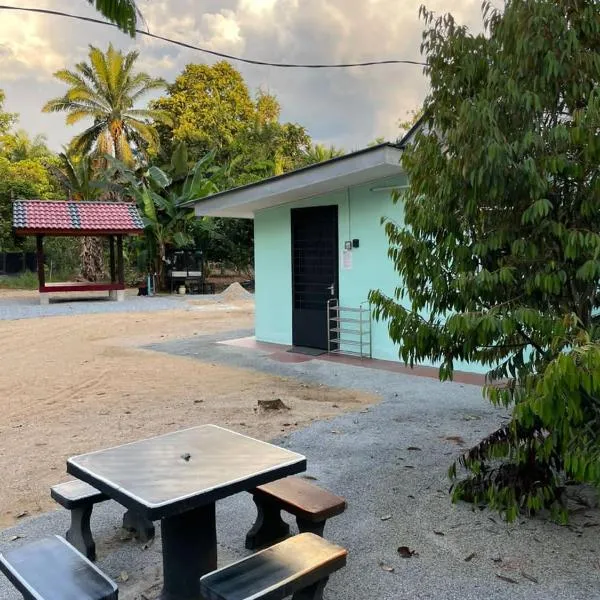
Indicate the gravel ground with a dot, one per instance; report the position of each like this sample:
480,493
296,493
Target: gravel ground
390,462
29,307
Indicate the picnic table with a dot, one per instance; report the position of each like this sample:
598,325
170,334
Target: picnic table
177,478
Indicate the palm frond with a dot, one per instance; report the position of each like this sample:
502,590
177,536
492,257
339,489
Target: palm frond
161,116
75,116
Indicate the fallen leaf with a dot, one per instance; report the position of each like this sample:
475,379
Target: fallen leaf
386,517
454,438
406,552
14,538
530,577
124,576
22,514
386,567
470,557
507,579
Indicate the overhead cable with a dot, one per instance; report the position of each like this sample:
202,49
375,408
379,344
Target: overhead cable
370,63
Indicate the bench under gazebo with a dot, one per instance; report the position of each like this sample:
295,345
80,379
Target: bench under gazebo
50,218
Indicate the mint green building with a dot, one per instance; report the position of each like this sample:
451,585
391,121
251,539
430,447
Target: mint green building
320,248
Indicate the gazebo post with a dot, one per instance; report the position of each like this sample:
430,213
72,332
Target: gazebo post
44,299
113,275
120,268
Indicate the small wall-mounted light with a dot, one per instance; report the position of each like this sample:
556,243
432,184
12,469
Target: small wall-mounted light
388,188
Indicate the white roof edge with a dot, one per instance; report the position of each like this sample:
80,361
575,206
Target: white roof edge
353,169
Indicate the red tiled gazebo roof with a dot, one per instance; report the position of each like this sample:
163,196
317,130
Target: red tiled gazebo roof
62,217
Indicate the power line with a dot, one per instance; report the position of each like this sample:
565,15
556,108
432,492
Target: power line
215,53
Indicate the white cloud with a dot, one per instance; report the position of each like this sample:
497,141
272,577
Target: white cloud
346,107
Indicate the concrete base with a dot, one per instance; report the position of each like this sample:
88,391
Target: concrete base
118,295
44,298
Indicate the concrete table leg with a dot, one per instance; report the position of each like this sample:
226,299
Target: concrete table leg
305,526
142,528
269,528
189,545
80,534
312,592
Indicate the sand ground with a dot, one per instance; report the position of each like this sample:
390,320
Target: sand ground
79,383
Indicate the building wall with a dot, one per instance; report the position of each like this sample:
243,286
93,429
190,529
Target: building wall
359,217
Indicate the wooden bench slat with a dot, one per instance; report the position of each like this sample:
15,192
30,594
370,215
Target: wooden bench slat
75,493
303,498
276,572
51,569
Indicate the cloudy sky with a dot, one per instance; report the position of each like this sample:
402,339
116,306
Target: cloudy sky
348,108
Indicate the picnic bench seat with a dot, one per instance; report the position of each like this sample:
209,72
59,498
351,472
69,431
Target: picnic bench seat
52,569
79,498
300,565
310,504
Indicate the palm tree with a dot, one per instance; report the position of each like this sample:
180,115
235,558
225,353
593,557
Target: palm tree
106,90
20,146
320,153
123,13
78,177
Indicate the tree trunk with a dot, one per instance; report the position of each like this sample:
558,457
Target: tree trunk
92,258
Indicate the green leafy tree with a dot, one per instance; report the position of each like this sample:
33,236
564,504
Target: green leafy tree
499,258
319,153
7,120
212,110
210,105
23,179
19,145
123,13
106,90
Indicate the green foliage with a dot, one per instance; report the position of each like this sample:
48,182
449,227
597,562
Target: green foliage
23,281
106,90
209,105
78,177
318,153
164,203
123,13
19,145
22,179
7,120
500,257
212,111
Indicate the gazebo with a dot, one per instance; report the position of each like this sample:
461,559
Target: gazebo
69,219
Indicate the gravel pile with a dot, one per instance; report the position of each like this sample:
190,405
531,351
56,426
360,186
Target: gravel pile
235,292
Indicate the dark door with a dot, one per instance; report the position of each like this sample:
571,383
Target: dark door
314,273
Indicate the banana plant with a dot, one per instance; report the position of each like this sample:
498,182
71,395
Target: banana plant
162,195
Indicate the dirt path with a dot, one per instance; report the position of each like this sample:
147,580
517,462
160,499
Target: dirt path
73,384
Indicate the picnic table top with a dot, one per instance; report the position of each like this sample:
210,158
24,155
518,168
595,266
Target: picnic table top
176,472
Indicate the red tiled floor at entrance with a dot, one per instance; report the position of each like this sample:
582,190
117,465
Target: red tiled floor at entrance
281,353
254,344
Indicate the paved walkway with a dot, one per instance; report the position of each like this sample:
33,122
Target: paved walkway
390,462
